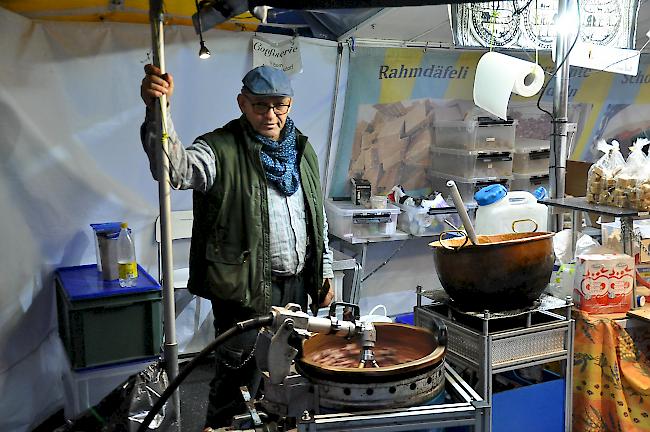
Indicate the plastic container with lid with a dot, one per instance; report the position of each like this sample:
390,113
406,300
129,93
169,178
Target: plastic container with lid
530,182
528,161
350,222
481,134
471,164
466,187
503,212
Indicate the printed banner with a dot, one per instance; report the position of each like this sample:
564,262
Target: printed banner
532,25
396,97
282,55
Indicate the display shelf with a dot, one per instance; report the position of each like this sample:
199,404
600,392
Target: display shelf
581,204
627,216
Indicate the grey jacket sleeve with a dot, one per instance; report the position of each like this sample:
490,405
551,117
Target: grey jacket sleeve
193,167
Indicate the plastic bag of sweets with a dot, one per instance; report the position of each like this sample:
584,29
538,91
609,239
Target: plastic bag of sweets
629,190
601,179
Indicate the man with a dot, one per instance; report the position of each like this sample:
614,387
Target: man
259,236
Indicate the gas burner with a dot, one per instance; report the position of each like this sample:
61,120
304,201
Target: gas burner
486,314
544,303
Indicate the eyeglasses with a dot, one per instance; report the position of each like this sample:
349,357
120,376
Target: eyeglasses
262,108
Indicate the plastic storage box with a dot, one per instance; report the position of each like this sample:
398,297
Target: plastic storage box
471,164
86,388
466,187
529,182
531,158
475,135
101,322
348,221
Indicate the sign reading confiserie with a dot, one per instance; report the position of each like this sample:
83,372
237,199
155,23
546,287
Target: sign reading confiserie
282,55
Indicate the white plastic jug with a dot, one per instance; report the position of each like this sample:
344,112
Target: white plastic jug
372,317
503,212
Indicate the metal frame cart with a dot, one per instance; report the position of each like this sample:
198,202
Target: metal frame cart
491,343
466,408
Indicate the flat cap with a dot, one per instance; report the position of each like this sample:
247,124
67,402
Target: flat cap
267,81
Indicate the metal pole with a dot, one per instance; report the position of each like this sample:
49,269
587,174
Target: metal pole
560,110
339,55
170,352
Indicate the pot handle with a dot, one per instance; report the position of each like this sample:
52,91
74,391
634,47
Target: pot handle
379,306
514,223
442,234
439,329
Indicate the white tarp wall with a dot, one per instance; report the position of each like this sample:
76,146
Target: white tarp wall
70,155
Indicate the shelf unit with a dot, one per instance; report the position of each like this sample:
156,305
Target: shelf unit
490,343
577,205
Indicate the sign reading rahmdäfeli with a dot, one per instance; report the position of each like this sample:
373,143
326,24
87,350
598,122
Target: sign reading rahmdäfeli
282,55
401,105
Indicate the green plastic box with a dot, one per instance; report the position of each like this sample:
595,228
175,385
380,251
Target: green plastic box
102,323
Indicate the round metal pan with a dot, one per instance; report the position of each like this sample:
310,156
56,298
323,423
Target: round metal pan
410,341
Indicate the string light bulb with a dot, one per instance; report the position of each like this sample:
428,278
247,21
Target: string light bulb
204,52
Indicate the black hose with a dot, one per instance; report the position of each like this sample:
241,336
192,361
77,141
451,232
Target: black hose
238,328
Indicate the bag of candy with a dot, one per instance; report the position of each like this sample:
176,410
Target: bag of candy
635,178
601,179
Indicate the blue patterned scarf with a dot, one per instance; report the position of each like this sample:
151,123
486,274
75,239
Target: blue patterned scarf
280,159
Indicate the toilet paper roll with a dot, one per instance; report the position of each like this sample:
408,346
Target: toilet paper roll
498,75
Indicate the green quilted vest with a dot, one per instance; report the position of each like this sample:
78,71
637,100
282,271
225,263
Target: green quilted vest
229,254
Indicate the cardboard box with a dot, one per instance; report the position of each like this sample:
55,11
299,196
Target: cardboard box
604,282
575,183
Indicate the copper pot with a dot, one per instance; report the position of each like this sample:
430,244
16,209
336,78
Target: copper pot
417,344
502,272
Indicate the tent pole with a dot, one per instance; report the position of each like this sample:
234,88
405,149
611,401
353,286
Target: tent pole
169,314
560,112
339,55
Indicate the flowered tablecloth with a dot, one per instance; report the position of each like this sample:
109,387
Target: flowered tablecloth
611,377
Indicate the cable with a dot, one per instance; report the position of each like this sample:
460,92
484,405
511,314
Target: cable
566,56
238,328
627,58
385,262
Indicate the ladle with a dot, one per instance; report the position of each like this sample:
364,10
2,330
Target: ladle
462,211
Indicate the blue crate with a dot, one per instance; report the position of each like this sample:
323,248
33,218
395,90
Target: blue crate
538,406
406,318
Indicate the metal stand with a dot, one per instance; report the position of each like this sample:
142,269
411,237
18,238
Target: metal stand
465,408
491,343
560,110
